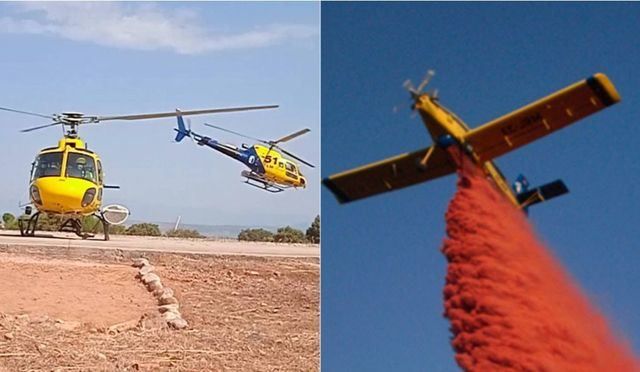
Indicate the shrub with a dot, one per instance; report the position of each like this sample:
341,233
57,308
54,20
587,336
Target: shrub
143,229
184,233
289,235
256,235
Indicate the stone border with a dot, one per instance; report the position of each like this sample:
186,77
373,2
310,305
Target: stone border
167,304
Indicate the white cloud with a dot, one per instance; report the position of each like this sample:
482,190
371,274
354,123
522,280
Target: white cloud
141,27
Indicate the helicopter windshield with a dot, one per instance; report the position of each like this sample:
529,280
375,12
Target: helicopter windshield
81,166
47,165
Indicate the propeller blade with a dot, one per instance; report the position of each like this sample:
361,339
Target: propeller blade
408,85
236,133
292,135
426,80
40,127
27,113
295,157
183,113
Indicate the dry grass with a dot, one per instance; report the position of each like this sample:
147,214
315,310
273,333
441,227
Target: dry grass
244,314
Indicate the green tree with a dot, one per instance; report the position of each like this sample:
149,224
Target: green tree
143,229
9,221
184,233
8,218
313,232
256,235
289,235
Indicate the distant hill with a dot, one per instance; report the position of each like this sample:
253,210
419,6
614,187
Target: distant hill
220,231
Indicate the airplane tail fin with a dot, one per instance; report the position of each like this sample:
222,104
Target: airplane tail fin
182,130
528,197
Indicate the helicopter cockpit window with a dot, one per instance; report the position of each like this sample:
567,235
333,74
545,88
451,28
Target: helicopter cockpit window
81,166
291,168
47,165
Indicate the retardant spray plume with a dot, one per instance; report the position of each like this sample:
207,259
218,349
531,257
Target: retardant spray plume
510,304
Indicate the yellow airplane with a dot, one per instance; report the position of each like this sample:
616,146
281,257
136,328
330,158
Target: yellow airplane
268,170
481,145
68,180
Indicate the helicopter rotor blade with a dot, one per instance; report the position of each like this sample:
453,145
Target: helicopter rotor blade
28,113
189,130
295,157
292,136
41,127
183,113
236,133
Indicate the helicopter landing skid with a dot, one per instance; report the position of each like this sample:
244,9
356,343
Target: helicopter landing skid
262,184
30,228
75,226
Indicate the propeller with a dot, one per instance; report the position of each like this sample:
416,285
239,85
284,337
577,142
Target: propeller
272,144
416,92
74,119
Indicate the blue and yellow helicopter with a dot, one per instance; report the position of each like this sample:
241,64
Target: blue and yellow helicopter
269,169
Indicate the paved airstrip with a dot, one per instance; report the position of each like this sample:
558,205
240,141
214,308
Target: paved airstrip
159,244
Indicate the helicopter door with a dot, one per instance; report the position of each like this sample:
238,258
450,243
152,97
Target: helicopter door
100,174
291,170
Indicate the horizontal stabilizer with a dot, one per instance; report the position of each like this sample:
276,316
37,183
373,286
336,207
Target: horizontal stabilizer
542,193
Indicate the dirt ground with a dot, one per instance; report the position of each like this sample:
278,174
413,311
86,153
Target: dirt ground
84,310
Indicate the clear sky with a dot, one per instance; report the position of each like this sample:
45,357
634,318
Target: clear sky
382,271
122,58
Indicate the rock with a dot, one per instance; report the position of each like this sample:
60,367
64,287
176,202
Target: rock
140,262
167,300
167,292
178,323
169,307
23,318
150,277
8,336
124,326
101,356
154,286
252,273
170,315
68,325
144,270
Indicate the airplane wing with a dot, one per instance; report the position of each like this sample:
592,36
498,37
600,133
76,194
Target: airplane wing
389,174
542,117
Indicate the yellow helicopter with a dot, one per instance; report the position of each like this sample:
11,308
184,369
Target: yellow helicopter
268,170
68,180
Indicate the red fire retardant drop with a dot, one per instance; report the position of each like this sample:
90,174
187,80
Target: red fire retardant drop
510,304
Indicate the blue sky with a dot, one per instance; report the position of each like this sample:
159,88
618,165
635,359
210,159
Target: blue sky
382,271
122,58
